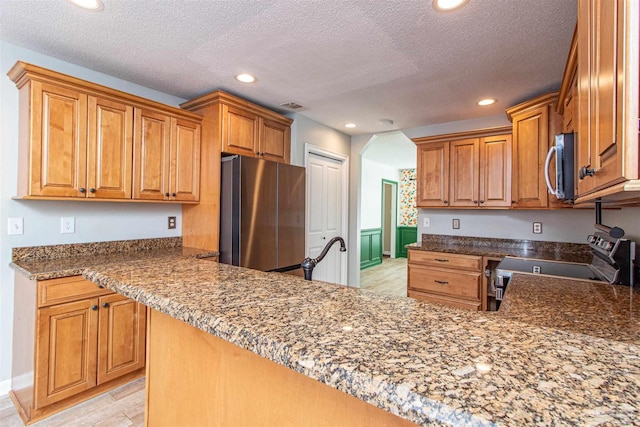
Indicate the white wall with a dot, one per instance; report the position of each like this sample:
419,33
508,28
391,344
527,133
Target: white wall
566,225
371,191
94,221
307,131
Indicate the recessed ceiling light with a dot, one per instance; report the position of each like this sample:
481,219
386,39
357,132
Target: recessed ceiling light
447,5
487,101
93,5
350,125
245,78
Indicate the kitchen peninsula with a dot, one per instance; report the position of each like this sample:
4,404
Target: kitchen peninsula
422,362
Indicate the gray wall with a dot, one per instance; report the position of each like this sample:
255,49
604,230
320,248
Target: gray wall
565,225
94,221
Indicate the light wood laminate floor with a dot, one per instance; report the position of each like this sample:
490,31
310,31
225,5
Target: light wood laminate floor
121,407
389,278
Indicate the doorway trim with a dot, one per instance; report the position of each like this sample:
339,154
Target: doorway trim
344,232
393,221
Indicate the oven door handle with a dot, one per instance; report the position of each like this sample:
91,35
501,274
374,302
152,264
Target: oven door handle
547,163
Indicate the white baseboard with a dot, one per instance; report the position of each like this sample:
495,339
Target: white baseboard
5,386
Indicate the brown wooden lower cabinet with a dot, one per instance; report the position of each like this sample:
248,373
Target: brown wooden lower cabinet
72,341
444,278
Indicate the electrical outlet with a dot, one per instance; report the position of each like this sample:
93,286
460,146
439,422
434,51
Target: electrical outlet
455,224
537,228
15,226
67,225
426,222
172,222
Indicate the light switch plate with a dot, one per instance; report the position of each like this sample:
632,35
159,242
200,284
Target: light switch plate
15,226
426,222
455,224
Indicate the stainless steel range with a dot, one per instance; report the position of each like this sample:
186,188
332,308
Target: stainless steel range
612,261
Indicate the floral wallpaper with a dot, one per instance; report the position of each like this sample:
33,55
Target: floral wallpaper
407,203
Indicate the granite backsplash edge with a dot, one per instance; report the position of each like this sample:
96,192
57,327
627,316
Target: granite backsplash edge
34,253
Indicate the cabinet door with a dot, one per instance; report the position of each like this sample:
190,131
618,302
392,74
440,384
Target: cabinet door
110,149
530,141
185,160
495,171
239,131
65,351
433,175
464,169
151,151
583,148
275,141
606,91
121,337
58,156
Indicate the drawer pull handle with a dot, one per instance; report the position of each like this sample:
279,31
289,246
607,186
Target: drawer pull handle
441,282
442,260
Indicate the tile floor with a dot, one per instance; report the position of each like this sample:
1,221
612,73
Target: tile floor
121,407
389,278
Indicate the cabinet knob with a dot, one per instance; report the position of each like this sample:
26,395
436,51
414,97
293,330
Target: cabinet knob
513,201
173,194
481,201
166,194
446,202
94,307
100,286
585,171
83,190
105,305
475,201
92,190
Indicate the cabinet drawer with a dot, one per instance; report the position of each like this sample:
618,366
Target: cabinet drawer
445,282
443,260
66,289
455,302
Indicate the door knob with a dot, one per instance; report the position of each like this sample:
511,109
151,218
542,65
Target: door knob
324,238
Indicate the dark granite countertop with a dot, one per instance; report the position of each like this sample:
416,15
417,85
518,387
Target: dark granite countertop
499,248
427,363
51,262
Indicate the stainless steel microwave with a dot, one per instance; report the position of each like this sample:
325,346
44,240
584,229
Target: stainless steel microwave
564,176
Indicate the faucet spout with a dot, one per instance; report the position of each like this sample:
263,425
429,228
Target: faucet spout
310,263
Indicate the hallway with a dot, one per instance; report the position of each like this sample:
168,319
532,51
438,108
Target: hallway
388,278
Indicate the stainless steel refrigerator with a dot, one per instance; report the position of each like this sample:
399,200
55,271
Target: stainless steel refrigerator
262,218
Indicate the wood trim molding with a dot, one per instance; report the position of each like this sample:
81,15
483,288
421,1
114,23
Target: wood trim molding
549,98
22,72
477,133
625,193
219,96
569,70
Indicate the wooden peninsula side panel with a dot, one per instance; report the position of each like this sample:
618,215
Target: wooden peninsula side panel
197,379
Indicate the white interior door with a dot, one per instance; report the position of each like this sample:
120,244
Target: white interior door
325,213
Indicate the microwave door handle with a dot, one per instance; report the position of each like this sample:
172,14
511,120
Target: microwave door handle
546,171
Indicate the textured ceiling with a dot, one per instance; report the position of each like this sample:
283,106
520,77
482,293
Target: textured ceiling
344,61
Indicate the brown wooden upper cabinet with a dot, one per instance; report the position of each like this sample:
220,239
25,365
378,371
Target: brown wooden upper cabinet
241,127
608,100
535,123
465,170
76,141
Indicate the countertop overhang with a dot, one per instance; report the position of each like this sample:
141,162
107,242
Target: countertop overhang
424,362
